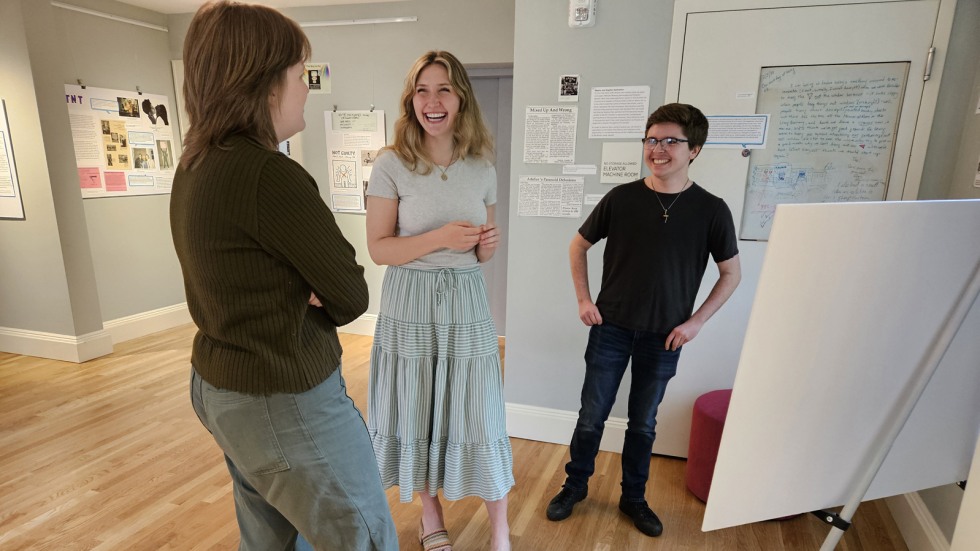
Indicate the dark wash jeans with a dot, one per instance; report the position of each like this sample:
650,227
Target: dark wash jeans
606,357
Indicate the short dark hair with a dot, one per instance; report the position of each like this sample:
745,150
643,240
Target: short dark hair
688,117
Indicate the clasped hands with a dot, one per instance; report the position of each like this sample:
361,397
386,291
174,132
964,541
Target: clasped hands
463,236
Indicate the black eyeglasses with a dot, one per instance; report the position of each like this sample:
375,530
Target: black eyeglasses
651,143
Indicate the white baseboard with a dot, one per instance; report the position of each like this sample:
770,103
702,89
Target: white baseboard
67,348
556,426
145,323
92,345
363,325
918,527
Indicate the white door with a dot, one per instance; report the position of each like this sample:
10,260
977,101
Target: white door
718,49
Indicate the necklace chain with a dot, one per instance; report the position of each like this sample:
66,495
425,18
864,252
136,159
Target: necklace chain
444,176
657,195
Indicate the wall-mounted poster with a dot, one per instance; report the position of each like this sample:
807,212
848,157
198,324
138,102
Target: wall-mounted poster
317,77
123,141
353,141
11,204
549,134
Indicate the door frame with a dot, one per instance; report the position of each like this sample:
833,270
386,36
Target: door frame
930,90
496,273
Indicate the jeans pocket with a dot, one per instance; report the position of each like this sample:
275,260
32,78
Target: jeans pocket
242,426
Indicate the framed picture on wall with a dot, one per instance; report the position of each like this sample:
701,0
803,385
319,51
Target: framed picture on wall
11,203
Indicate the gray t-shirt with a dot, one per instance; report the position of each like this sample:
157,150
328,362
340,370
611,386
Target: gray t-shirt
426,202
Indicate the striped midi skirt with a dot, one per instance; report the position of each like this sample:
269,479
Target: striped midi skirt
435,405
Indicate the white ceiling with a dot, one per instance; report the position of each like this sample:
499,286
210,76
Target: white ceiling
189,6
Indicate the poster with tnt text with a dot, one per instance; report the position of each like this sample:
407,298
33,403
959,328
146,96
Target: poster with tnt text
123,141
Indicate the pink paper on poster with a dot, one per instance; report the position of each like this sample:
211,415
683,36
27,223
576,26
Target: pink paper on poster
115,181
89,178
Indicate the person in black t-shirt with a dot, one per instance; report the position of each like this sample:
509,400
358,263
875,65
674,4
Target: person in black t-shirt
659,234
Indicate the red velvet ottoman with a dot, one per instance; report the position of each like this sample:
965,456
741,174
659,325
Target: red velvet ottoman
707,423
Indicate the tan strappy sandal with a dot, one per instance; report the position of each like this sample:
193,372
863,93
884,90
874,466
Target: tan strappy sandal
435,541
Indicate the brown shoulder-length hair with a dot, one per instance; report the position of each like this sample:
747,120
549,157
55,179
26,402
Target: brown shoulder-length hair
471,138
235,58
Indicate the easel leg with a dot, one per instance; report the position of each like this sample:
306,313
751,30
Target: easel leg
927,368
833,538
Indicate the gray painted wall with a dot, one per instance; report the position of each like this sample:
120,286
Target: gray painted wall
954,143
34,293
73,264
628,46
368,64
966,45
118,251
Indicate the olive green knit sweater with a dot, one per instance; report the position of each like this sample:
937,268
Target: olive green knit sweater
254,238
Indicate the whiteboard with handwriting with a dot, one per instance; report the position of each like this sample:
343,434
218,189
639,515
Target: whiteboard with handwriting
831,140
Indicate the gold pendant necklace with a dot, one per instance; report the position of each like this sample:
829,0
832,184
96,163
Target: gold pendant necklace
657,195
452,159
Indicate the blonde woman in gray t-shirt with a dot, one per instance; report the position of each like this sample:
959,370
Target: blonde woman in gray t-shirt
436,409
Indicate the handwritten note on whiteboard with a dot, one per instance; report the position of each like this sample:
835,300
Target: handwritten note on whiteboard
831,139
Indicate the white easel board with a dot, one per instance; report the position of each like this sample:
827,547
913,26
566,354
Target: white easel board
850,297
967,534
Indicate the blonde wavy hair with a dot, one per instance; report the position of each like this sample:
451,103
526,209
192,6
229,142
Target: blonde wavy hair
471,138
235,57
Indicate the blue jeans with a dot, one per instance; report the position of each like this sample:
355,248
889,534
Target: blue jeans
606,357
297,464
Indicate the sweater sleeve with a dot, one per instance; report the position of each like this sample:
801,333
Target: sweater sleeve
294,223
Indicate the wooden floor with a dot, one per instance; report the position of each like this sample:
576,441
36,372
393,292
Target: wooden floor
109,455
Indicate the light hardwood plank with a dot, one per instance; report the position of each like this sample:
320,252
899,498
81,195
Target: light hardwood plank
109,455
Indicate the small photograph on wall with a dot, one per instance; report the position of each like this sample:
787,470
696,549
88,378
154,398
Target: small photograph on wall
157,114
128,107
317,77
165,152
144,158
568,88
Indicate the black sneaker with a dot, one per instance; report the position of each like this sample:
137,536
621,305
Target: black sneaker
561,505
644,519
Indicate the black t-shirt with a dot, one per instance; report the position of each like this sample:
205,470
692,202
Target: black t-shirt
651,269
